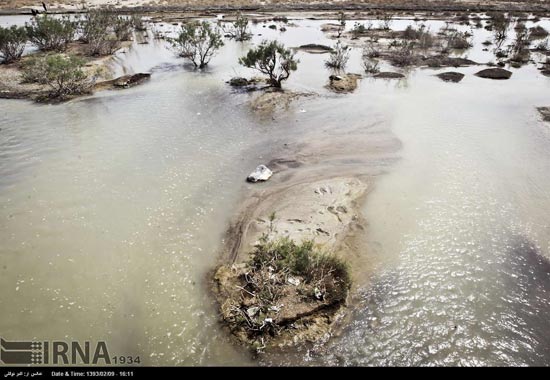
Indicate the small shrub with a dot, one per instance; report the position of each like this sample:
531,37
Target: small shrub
411,33
371,51
137,22
198,42
123,28
500,24
64,75
387,19
360,29
404,56
302,260
283,19
99,31
273,59
49,33
457,41
12,43
370,65
339,57
542,45
239,29
33,71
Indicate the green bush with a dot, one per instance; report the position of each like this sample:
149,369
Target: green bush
272,59
198,42
302,260
49,33
12,43
240,28
99,31
64,75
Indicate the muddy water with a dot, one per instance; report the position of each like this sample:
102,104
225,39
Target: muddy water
113,207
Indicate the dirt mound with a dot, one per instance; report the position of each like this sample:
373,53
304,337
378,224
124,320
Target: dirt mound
451,76
343,83
494,73
389,75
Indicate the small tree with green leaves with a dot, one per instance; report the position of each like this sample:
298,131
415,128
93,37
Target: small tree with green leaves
272,59
99,32
49,33
198,42
64,75
12,43
239,29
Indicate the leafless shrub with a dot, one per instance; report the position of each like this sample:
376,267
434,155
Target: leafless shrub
339,57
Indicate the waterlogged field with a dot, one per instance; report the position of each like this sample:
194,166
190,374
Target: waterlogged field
113,207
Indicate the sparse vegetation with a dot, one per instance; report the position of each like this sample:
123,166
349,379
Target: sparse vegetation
198,42
281,275
424,39
239,29
272,59
387,20
370,65
360,29
404,56
500,24
520,48
64,75
51,34
12,43
339,57
457,41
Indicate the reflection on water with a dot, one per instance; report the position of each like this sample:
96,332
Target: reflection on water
112,209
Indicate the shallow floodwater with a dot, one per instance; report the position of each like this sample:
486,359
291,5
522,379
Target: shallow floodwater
113,209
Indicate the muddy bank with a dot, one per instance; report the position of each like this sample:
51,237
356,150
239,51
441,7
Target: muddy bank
319,183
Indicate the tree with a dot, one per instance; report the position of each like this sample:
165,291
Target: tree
272,59
99,32
50,33
12,43
239,29
198,42
64,75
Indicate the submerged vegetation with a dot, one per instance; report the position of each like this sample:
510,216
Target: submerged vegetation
239,29
198,42
339,57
